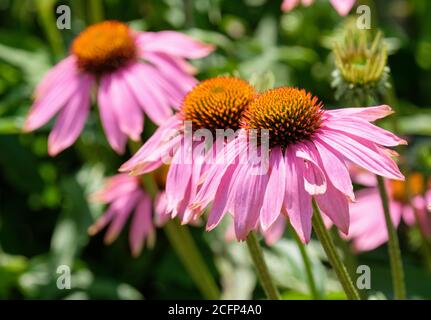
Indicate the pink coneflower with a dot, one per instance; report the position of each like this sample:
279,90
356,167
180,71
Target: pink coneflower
135,73
408,200
343,7
126,198
216,103
308,149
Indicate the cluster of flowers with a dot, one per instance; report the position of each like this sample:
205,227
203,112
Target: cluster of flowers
280,149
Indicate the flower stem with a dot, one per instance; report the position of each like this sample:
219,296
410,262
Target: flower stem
95,8
45,12
182,242
261,267
394,247
334,258
307,264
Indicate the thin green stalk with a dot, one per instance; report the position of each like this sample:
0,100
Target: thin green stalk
307,264
397,270
335,260
45,12
348,258
186,249
261,267
96,12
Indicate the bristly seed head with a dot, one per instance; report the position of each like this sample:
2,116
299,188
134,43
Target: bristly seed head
104,47
289,114
217,103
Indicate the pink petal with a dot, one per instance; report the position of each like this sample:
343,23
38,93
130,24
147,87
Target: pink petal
116,138
178,179
314,177
123,207
274,193
116,187
223,162
363,153
343,7
364,129
335,168
164,139
152,98
48,104
276,231
170,68
141,226
297,201
55,74
368,113
124,105
174,43
221,202
71,119
334,204
247,199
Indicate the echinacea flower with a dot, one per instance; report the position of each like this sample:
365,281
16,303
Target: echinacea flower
308,150
135,73
127,198
408,200
343,7
217,103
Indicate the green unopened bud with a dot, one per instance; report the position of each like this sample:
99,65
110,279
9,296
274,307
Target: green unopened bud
361,69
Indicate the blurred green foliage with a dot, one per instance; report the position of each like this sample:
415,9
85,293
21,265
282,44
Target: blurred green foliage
44,211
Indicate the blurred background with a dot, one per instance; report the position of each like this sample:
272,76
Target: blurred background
44,207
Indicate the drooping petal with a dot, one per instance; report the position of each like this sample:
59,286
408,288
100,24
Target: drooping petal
165,139
64,67
178,179
169,67
314,177
116,138
71,119
335,205
275,232
151,97
335,168
364,129
297,201
221,204
247,198
364,153
123,207
48,104
141,226
274,193
367,114
174,43
125,106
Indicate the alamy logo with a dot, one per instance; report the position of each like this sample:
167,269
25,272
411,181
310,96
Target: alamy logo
364,20
64,18
364,279
64,278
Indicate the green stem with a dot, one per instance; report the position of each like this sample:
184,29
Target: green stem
348,258
45,13
261,267
335,260
182,242
397,270
95,7
307,264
